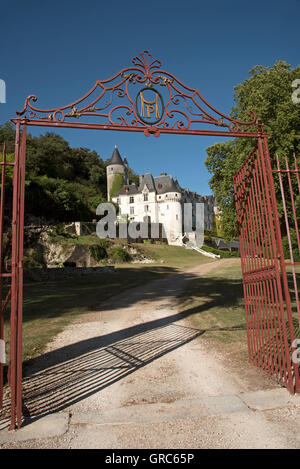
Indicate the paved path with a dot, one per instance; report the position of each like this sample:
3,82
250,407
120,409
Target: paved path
137,375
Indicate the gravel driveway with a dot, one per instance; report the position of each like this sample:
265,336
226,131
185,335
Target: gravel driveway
137,375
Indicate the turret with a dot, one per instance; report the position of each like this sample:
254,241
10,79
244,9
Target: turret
114,167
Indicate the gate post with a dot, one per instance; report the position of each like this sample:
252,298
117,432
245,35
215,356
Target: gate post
15,373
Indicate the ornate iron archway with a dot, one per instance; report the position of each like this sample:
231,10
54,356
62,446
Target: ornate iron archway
139,98
113,104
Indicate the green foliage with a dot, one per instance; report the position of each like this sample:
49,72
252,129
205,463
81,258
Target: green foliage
30,262
116,185
62,183
208,237
267,92
60,231
134,178
104,243
294,243
119,254
210,232
97,252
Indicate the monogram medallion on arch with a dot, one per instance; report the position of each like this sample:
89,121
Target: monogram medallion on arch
149,106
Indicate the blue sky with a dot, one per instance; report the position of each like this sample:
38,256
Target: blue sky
58,49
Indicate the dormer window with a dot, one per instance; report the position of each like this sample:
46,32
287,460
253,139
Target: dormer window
145,197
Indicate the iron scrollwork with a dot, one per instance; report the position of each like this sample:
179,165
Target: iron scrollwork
115,103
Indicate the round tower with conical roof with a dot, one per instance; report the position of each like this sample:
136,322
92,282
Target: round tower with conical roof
115,166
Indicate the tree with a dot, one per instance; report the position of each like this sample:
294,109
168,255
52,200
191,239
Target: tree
267,92
62,183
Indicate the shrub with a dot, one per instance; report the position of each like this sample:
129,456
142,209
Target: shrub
104,243
119,254
59,230
31,263
97,252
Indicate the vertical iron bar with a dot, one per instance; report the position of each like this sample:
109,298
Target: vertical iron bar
14,284
292,200
286,219
22,159
237,196
2,205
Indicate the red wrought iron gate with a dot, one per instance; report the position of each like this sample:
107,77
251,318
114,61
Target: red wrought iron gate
269,319
118,104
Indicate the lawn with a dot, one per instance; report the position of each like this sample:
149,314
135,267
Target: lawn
50,306
215,305
174,256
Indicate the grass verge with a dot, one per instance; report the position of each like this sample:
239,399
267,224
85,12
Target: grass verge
215,305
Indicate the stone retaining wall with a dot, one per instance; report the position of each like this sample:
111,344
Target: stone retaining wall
40,275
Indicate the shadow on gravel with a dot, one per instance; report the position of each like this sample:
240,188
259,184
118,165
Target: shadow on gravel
92,365
60,378
65,376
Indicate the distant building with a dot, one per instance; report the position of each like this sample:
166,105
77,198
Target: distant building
157,200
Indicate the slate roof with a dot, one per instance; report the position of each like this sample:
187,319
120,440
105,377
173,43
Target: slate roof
165,184
148,181
116,158
159,185
131,190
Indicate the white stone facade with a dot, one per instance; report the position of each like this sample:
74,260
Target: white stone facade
161,200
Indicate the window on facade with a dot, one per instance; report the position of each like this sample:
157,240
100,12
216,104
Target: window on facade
118,201
145,197
146,208
167,207
176,217
131,200
131,210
